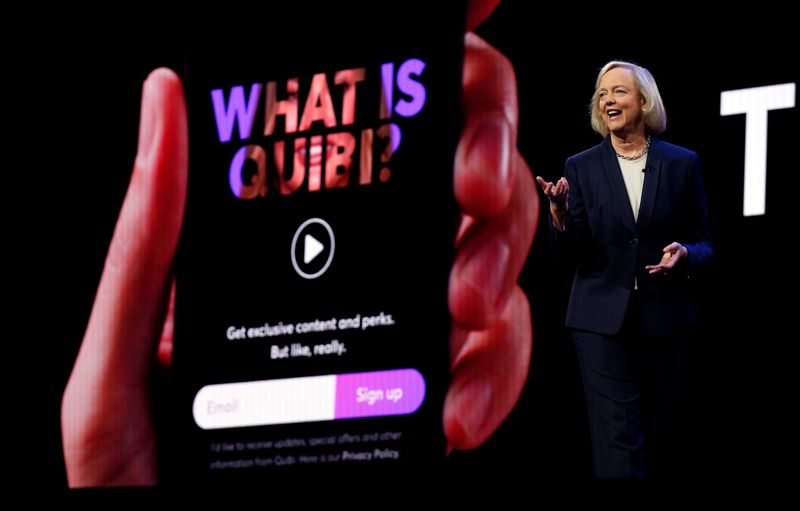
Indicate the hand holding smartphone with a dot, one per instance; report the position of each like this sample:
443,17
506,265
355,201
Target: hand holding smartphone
490,349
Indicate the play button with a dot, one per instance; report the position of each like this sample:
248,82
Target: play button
312,250
313,244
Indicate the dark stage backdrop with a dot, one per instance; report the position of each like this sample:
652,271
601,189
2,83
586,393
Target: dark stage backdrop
738,366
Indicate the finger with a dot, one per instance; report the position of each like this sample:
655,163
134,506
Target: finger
546,185
672,247
479,10
488,374
484,166
108,436
490,256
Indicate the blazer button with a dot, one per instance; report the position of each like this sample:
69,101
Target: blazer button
634,241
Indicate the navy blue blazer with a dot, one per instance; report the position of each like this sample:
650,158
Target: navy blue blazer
610,248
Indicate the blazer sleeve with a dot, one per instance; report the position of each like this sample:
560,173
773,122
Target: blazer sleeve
568,243
698,242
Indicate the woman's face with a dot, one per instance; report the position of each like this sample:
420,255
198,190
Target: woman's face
620,103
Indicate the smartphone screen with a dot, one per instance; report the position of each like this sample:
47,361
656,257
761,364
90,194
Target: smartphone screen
311,321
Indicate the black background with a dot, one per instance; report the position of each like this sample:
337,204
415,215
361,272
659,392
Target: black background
87,87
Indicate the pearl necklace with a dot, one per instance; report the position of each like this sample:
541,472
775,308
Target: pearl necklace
636,157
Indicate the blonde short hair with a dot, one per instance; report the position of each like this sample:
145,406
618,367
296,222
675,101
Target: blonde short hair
655,116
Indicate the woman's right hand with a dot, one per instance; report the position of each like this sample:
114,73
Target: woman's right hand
558,195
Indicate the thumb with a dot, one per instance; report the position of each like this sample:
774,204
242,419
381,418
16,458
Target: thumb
672,247
128,309
106,422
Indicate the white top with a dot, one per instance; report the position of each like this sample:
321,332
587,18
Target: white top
633,175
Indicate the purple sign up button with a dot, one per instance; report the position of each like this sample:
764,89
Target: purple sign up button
372,394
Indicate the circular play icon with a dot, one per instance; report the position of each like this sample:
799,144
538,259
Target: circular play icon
312,248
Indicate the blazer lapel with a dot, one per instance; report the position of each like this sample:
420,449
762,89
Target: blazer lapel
651,178
614,175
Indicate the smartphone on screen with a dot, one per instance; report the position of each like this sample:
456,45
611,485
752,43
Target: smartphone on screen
311,320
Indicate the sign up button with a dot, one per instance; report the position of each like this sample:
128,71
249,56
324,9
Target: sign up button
379,393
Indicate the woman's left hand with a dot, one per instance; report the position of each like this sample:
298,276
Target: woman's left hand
673,253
